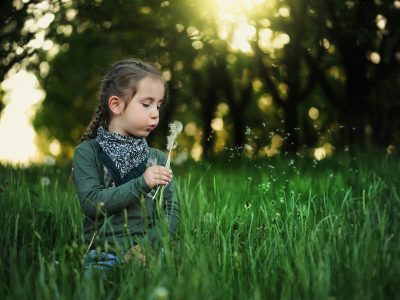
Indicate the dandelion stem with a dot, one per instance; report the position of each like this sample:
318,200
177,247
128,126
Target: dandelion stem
175,129
169,159
156,193
90,244
167,165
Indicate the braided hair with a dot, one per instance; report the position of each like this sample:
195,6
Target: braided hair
121,80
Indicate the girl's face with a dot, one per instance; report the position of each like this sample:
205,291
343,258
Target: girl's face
141,115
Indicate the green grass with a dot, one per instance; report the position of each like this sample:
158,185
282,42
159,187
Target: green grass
250,229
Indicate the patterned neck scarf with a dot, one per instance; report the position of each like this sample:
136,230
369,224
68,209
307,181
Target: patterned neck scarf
126,152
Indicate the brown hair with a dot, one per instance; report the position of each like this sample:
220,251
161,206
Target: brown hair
121,80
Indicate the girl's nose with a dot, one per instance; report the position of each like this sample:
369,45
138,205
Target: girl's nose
154,113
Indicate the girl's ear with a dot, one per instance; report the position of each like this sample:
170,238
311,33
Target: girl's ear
116,105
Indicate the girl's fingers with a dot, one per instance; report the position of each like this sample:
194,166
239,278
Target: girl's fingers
166,176
162,175
164,170
162,179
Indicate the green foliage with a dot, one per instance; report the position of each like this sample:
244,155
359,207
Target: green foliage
340,57
324,64
100,35
271,228
14,37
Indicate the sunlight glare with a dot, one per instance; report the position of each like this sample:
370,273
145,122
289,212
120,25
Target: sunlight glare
16,132
242,35
233,21
319,153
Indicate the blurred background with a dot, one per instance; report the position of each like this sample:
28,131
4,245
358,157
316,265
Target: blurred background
252,77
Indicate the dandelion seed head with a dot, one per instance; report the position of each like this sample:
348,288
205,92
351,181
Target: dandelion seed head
45,181
49,160
171,142
160,293
175,129
390,149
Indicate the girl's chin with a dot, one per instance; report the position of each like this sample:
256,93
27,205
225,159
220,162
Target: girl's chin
143,133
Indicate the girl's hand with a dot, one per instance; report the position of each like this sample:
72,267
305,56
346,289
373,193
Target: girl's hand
137,253
156,175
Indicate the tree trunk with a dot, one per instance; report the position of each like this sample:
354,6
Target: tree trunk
208,114
356,102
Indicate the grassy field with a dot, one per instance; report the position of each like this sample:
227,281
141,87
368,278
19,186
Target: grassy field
276,228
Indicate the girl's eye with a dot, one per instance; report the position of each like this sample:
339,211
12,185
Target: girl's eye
148,105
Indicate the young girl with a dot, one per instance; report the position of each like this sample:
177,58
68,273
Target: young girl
115,171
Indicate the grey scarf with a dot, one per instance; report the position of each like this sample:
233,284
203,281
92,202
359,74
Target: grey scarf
126,152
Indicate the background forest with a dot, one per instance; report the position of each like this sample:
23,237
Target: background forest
262,76
265,89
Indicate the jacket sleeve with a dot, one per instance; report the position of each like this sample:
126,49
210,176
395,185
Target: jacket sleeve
93,197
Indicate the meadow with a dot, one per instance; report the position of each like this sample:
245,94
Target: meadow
271,228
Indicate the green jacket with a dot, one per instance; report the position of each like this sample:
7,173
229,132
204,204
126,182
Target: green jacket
117,215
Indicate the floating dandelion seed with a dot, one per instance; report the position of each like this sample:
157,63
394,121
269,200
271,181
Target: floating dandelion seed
264,187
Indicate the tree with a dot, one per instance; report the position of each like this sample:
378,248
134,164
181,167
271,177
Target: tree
90,37
366,38
283,73
14,35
